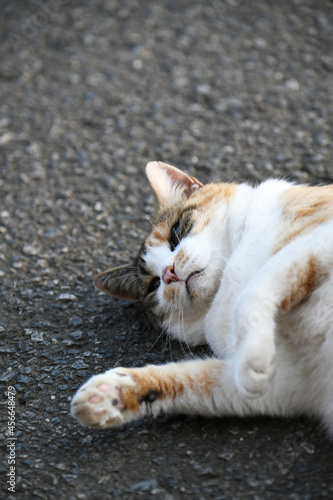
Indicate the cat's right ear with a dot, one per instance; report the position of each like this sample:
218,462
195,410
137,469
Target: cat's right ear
120,282
169,183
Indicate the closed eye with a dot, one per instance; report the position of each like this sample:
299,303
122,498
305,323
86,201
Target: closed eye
175,236
154,285
143,270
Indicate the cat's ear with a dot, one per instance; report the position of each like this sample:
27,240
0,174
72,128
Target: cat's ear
120,282
169,183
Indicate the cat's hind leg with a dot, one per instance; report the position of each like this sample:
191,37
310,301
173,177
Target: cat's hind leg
286,280
254,357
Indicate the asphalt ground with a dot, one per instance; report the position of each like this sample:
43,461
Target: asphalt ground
89,92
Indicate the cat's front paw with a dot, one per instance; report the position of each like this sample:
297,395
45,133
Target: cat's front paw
254,367
99,402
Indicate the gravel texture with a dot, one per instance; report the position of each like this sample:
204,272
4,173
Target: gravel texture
89,92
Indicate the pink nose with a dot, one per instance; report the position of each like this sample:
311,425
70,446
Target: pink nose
170,275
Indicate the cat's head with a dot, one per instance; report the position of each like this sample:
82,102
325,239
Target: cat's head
178,269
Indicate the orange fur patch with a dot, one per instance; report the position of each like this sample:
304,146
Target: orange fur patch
207,199
303,208
171,292
150,379
159,235
170,384
212,194
303,281
203,202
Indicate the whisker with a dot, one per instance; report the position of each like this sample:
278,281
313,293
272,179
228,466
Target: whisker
149,220
160,335
123,276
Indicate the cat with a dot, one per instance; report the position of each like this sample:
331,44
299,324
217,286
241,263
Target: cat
247,270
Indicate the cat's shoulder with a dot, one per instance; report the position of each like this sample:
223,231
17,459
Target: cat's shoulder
303,199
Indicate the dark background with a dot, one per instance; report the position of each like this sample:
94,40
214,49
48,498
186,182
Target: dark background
89,92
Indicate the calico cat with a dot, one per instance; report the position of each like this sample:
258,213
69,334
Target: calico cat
247,270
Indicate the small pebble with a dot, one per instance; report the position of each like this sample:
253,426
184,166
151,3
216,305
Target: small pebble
67,297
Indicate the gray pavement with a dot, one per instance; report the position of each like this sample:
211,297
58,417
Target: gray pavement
89,92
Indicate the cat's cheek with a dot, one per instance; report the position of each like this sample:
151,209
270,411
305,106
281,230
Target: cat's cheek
175,299
172,293
165,297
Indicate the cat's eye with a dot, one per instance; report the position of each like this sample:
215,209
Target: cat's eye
154,284
175,236
143,270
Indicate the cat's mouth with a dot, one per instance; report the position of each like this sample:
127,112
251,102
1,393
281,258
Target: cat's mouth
191,282
170,277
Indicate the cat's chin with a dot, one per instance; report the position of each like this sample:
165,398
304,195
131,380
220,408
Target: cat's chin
187,328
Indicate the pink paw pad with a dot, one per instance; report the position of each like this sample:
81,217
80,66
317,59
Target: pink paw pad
97,399
103,388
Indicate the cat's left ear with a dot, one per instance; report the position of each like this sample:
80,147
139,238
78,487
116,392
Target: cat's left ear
169,183
120,282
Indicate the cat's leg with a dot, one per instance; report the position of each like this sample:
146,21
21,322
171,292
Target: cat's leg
120,395
286,280
253,332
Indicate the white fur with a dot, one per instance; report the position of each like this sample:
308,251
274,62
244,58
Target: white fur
241,323
260,371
